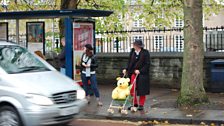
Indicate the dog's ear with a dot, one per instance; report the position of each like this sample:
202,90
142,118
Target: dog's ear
128,79
118,78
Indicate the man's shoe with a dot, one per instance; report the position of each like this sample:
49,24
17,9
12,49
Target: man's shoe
141,108
129,108
88,99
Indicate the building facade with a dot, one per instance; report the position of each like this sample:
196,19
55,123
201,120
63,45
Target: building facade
167,39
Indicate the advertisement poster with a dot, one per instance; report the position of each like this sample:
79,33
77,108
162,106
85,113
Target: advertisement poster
35,32
82,35
4,31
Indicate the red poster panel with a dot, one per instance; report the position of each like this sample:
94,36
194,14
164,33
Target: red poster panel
82,35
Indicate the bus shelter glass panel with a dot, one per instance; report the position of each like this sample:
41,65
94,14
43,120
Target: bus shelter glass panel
82,35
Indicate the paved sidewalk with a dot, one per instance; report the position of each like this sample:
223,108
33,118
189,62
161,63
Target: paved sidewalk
160,106
96,122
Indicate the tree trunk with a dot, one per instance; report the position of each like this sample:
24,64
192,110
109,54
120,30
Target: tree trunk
66,4
192,88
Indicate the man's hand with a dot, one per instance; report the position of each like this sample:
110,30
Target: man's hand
85,65
124,71
137,72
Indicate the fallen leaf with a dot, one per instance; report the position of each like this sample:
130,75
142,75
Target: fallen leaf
154,100
154,108
189,115
174,90
212,124
146,112
164,113
202,123
140,122
150,122
166,122
155,122
144,122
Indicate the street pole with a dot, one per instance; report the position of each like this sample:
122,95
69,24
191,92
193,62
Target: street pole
117,42
53,38
17,31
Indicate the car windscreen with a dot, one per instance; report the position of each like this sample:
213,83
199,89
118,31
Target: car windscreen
15,59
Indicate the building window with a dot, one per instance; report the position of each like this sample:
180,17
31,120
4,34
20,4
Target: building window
179,23
119,17
133,2
137,22
179,43
161,15
4,3
158,41
138,37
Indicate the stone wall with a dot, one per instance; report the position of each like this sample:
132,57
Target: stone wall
165,68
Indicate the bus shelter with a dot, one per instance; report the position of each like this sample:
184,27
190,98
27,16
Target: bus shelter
79,29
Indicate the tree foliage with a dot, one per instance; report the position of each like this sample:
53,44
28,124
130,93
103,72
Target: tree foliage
156,13
173,9
112,22
26,5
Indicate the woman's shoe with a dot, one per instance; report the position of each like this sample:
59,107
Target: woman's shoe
129,108
88,99
141,108
99,103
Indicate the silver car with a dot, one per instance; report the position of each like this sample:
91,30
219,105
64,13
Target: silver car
32,92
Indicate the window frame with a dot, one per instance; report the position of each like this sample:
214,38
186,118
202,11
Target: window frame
134,37
158,43
136,21
179,42
179,23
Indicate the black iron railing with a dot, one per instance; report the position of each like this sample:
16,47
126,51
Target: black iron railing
156,40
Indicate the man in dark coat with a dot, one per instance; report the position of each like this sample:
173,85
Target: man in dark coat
138,66
61,57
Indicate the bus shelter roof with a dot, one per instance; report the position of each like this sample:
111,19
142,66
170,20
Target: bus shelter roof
45,14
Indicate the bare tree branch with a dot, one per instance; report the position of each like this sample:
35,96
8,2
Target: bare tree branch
28,5
78,2
95,5
63,4
152,2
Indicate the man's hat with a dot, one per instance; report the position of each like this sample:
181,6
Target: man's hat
139,43
89,46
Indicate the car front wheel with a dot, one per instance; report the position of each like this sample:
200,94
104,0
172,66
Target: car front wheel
9,117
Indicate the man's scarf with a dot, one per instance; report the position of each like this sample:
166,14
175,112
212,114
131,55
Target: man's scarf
139,63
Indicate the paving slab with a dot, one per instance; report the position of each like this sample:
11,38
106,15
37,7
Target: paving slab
165,111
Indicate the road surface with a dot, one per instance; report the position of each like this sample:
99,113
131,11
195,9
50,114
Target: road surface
92,122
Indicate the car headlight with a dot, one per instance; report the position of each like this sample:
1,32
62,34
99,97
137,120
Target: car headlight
39,99
81,94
